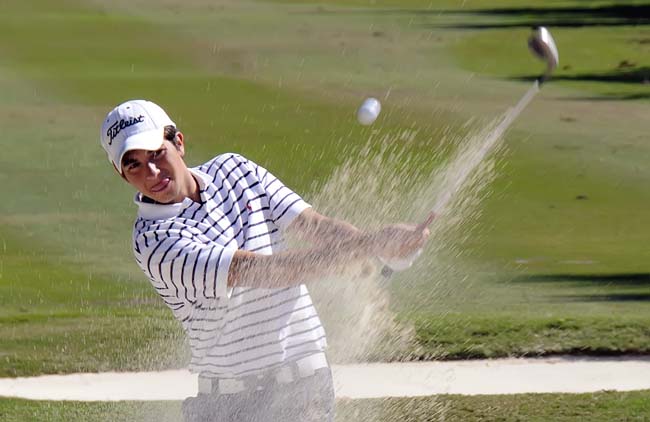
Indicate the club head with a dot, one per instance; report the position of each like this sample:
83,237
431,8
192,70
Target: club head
543,46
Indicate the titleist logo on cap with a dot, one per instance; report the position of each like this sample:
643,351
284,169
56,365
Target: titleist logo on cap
117,127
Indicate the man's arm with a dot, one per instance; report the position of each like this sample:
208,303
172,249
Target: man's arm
320,230
183,265
290,268
336,245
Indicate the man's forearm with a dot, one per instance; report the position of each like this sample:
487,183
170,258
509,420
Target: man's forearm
336,244
321,230
290,268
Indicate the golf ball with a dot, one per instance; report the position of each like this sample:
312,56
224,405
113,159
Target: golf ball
368,111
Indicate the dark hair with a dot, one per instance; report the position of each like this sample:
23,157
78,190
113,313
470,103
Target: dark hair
170,134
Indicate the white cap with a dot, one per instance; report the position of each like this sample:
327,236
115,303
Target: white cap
135,124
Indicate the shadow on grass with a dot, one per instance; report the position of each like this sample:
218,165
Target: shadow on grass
606,15
608,282
571,17
611,97
624,279
615,297
639,75
528,23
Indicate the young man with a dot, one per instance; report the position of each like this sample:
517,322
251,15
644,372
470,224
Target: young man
210,239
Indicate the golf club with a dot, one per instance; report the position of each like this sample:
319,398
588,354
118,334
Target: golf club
542,45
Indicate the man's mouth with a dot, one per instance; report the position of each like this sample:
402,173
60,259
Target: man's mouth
160,186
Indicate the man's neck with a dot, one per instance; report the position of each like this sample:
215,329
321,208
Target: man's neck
195,191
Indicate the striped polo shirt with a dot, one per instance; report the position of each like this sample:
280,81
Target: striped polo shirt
185,249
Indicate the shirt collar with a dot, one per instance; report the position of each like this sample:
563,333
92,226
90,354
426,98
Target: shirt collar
150,211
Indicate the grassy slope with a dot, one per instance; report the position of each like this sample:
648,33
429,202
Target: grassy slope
604,406
263,83
565,229
69,281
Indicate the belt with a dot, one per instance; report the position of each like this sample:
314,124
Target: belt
290,372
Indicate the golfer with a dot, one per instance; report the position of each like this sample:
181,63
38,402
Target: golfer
210,240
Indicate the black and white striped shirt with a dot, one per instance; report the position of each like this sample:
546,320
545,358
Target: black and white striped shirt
186,248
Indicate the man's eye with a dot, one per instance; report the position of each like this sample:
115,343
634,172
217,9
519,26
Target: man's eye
132,166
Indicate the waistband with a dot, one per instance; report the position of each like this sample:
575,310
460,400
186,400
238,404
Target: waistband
288,373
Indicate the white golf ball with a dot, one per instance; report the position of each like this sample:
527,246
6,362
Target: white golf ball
368,111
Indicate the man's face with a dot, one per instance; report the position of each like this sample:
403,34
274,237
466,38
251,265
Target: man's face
158,174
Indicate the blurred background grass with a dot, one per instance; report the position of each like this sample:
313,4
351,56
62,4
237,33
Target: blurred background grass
556,262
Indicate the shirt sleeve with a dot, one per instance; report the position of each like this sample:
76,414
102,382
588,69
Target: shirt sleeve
183,266
285,204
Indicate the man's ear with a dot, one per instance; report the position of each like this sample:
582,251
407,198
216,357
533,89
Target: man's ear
179,143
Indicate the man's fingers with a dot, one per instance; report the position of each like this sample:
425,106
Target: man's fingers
423,225
403,240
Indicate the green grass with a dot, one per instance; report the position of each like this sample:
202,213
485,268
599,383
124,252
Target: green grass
544,268
606,406
89,341
59,318
603,406
517,335
589,56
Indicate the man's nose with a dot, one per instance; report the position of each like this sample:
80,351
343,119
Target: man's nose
152,170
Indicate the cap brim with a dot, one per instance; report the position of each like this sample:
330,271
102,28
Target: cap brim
149,141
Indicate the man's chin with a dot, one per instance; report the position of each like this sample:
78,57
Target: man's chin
163,196
167,201
161,199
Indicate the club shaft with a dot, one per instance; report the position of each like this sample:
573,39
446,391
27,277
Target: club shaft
473,161
488,145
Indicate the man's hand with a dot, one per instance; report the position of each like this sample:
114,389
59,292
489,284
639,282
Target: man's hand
400,263
400,241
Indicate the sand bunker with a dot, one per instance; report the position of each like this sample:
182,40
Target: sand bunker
499,376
